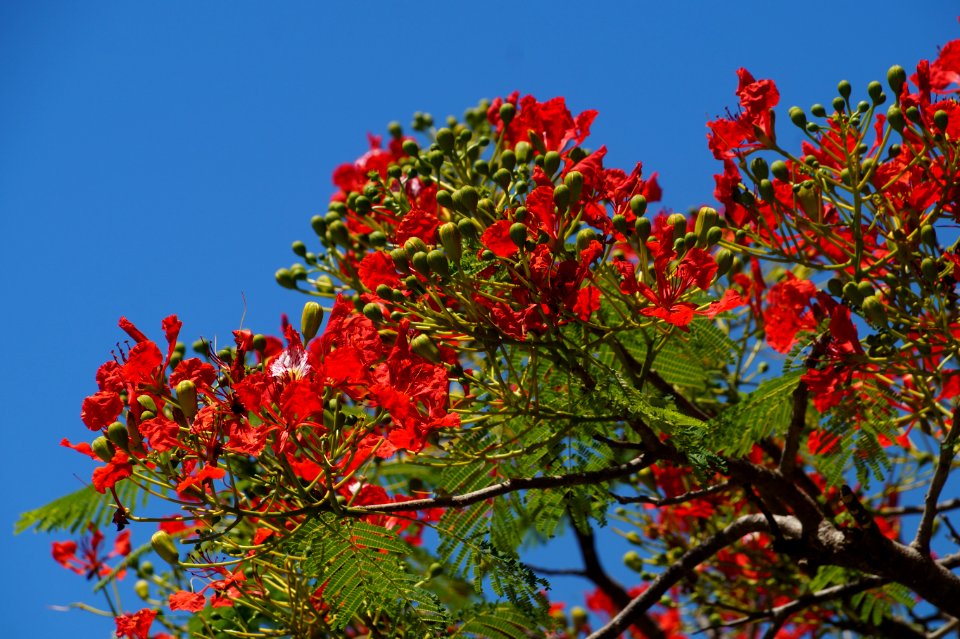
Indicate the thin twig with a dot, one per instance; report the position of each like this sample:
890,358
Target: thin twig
947,452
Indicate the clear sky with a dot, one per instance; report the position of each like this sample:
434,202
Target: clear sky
159,158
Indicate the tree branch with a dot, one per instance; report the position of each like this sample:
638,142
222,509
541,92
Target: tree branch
798,419
925,530
509,486
671,501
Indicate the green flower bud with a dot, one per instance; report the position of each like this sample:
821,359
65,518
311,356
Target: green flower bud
446,140
913,114
679,224
384,291
638,204
642,226
372,312
835,286
634,538
551,162
895,118
117,433
451,241
929,269
714,235
425,348
766,190
324,284
508,160
187,398
420,263
377,239
285,278
503,178
874,310
689,240
865,288
844,89
584,237
437,261
852,293
469,228
578,617
466,199
445,199
724,259
818,111
561,197
518,234
415,245
310,320
875,91
400,259
147,403
411,148
103,448
839,105
574,181
896,78
339,233
507,111
299,248
142,588
523,151
809,200
797,116
620,224
164,545
780,170
928,235
633,561
941,119
759,168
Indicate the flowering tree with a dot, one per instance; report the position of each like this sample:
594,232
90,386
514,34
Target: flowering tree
517,345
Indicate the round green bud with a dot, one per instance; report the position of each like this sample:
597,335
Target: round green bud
117,433
310,320
642,226
835,286
425,348
384,291
507,112
400,259
634,537
852,293
585,237
929,269
679,224
466,199
839,105
147,403
339,233
446,140
844,89
941,119
299,248
573,181
895,118
503,178
469,228
518,234
437,261
451,241
724,260
187,398
620,224
395,130
145,568
164,545
797,116
913,114
142,588
103,448
638,205
812,127
633,561
508,160
928,235
523,151
415,245
372,312
561,196
875,91
147,415
865,288
896,78
377,239
818,111
486,255
445,199
874,310
714,235
420,263
551,162
324,284
863,106
411,148
780,170
766,190
285,278
759,168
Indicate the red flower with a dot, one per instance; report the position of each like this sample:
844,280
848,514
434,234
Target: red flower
696,268
186,600
107,476
137,625
90,562
100,409
788,312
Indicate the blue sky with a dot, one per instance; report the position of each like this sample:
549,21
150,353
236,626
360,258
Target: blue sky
159,158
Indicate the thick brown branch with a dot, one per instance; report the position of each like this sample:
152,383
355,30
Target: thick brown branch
509,486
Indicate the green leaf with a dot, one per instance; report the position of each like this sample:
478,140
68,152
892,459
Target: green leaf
76,511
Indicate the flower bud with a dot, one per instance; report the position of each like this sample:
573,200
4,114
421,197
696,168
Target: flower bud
633,561
809,200
523,151
414,245
620,224
724,261
339,233
446,140
584,237
766,190
844,89
319,225
574,181
400,259
895,118
469,228
714,235
425,348
411,148
372,312
187,398
913,114
874,311
638,205
551,162
797,116
299,248
561,197
928,235
929,269
445,199
164,545
839,105
503,178
103,448
285,278
451,241
466,199
875,91
147,403
507,111
679,224
941,119
310,320
835,286
852,293
896,78
437,261
117,433
420,263
142,588
818,111
642,226
759,167
518,233
707,218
